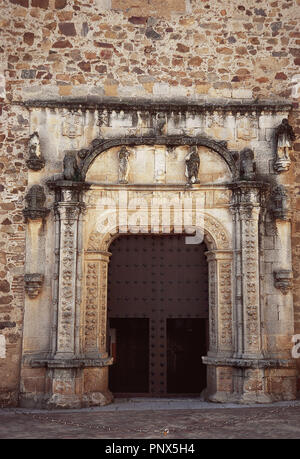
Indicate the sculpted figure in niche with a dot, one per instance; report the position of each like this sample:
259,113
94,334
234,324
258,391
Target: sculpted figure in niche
192,164
71,170
36,161
247,164
123,165
284,137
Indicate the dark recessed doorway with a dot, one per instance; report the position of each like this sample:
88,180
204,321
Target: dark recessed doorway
157,315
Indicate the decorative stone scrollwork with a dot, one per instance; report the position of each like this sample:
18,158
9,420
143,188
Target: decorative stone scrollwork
33,284
284,137
36,160
35,199
279,204
283,280
192,164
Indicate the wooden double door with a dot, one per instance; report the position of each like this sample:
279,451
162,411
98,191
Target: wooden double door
157,315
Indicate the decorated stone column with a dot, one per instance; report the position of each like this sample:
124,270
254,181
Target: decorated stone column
95,312
249,198
68,211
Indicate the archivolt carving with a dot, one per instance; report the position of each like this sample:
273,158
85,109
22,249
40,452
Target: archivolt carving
215,236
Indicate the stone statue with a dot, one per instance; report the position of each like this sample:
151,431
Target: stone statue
36,161
247,164
284,137
71,170
160,123
192,164
123,165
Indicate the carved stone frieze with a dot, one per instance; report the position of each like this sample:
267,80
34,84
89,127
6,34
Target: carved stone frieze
33,284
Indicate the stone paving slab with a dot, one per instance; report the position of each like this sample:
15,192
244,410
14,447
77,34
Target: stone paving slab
117,421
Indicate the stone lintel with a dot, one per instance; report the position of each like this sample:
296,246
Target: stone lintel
71,363
248,363
180,105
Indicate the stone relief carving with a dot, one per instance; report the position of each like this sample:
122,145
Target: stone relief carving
33,284
279,203
284,137
72,125
247,164
123,165
225,305
192,164
71,170
91,308
283,280
35,199
36,160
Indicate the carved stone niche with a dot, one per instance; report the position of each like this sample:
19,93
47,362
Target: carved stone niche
284,138
36,161
283,280
35,199
279,204
33,284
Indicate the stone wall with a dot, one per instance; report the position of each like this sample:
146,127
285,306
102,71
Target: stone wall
199,50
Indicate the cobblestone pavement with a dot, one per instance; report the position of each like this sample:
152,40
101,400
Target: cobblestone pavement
173,420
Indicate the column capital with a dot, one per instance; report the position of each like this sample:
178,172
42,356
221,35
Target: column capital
215,255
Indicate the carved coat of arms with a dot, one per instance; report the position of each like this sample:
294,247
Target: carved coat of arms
72,125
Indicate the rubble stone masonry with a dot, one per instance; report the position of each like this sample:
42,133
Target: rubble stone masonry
198,50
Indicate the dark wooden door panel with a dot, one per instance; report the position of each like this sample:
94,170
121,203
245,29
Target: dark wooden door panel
130,372
159,279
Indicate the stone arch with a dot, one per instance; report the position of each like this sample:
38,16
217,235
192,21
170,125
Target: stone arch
216,236
98,146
